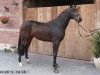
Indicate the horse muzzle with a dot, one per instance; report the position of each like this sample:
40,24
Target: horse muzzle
80,19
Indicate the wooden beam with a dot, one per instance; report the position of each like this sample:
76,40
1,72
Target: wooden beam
49,3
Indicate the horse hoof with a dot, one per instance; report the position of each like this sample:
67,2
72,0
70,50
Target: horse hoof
56,66
20,64
56,71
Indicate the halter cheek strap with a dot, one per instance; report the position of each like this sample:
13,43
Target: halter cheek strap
76,16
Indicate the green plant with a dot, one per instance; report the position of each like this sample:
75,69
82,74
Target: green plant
95,44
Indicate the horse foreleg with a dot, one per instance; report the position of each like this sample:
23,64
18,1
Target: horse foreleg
26,48
55,52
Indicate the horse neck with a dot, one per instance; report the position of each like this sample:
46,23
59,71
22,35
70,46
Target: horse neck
63,20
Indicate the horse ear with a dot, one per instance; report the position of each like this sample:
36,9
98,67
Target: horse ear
75,5
78,8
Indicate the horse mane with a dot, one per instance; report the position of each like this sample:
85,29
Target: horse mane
64,12
61,15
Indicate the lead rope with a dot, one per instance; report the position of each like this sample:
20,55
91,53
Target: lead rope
91,32
79,26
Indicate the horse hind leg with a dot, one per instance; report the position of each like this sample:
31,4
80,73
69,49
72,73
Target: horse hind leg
21,45
26,48
19,59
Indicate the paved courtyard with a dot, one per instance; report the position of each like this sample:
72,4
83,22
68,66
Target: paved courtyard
42,65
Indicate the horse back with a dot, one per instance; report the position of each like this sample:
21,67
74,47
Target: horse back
36,29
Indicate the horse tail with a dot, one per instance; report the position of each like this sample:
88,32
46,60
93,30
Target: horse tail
19,41
20,47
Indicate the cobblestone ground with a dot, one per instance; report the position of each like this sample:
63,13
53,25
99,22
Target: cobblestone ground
42,65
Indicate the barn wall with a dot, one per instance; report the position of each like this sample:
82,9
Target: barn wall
98,14
73,46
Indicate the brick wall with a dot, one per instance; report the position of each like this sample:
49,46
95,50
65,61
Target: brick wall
9,32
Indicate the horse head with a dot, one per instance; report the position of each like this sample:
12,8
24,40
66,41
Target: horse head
74,12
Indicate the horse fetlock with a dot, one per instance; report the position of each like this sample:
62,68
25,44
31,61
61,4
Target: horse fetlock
20,64
56,66
28,61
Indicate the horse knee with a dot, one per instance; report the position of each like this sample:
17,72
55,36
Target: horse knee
21,52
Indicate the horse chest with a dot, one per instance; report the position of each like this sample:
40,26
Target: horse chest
60,36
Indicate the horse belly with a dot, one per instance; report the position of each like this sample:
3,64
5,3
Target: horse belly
44,37
42,32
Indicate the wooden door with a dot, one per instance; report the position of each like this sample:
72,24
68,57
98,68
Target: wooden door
73,46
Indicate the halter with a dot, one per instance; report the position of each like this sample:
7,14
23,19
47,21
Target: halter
76,15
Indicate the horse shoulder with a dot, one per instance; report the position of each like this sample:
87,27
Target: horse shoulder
57,33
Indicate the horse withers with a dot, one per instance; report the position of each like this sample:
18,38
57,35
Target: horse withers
52,31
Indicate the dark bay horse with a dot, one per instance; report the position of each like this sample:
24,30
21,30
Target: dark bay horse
52,31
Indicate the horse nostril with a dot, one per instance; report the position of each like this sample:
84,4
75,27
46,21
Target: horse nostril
80,19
